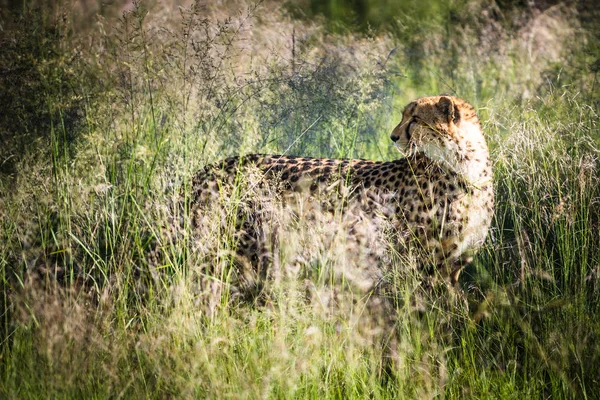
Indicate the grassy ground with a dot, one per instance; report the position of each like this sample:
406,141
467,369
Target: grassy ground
106,117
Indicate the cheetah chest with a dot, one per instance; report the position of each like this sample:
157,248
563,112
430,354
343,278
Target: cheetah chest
445,216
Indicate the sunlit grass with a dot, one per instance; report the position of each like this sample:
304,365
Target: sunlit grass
108,290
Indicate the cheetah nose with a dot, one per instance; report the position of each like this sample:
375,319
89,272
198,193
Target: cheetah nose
394,137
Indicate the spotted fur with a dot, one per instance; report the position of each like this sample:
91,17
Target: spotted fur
440,193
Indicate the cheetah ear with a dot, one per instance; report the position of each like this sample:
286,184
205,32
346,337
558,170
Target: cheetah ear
447,108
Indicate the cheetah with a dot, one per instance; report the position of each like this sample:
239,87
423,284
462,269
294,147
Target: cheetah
440,192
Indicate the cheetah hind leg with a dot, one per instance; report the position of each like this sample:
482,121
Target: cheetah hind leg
254,259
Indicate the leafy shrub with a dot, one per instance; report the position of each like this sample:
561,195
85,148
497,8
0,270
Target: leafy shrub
40,80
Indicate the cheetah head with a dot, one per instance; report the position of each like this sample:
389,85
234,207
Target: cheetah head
446,130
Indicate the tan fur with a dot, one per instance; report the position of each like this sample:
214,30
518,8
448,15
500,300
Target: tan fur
441,193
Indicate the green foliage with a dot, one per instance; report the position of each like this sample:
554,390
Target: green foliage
107,292
40,82
363,15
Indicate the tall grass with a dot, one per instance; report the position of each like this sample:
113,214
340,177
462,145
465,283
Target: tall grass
108,290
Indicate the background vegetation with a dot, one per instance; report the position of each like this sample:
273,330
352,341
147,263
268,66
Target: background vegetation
108,110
